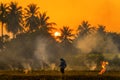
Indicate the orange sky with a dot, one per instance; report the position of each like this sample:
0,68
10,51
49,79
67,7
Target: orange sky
72,12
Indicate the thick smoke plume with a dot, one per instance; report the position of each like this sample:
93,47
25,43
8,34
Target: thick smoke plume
41,52
96,42
45,56
99,44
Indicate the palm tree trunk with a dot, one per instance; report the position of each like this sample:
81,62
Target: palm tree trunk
2,35
2,32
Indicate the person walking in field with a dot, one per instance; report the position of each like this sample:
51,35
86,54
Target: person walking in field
62,65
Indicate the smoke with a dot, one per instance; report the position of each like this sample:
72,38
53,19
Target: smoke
97,42
87,43
90,66
111,47
41,52
37,54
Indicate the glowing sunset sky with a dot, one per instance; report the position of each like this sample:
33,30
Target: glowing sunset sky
72,12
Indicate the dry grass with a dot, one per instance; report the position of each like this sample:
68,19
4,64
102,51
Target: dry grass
56,75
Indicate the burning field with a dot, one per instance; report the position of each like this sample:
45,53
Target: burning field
56,75
41,61
85,69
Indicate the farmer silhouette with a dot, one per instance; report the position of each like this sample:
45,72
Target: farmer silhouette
62,65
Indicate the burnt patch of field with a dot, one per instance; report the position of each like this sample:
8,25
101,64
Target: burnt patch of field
56,75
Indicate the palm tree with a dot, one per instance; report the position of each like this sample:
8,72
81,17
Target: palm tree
67,35
84,29
44,25
101,39
101,30
1,44
3,14
66,39
31,17
14,19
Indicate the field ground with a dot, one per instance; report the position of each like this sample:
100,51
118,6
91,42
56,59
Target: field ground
56,75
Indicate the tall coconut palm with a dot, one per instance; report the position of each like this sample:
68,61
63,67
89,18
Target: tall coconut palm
3,14
31,17
84,29
101,30
66,39
44,25
67,35
101,39
14,18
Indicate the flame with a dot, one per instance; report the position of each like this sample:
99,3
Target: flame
104,64
93,67
53,66
27,68
26,71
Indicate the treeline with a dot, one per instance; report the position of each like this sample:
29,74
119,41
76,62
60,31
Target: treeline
33,39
